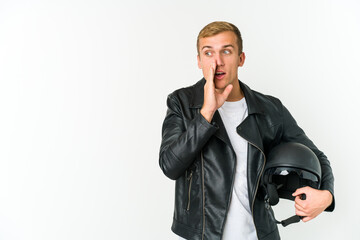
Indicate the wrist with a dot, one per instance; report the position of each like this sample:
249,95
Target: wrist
329,197
207,114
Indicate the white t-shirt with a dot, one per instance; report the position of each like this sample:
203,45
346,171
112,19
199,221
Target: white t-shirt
239,222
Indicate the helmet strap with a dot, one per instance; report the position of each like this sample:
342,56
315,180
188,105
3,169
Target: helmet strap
290,220
284,223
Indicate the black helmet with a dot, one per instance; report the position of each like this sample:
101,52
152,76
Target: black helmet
289,166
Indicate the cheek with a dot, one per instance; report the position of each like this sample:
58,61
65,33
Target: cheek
204,65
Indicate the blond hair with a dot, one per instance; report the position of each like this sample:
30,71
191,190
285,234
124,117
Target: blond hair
217,27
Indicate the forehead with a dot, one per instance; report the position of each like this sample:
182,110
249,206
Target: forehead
218,40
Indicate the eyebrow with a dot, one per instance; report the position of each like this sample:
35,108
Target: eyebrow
225,46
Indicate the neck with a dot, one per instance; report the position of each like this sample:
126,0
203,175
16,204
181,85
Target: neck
236,93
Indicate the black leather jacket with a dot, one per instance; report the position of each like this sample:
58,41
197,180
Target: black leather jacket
199,156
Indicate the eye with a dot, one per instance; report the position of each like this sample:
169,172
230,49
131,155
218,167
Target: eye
227,51
208,54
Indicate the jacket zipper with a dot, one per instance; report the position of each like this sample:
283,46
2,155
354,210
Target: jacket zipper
231,191
189,179
203,189
203,194
203,185
257,184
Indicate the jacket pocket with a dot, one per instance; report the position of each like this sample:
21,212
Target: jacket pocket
189,179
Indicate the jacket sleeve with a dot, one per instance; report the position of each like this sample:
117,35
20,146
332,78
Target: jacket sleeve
293,133
181,141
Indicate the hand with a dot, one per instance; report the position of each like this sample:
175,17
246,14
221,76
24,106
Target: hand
315,203
213,98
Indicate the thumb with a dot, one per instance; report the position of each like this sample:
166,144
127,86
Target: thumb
299,191
227,91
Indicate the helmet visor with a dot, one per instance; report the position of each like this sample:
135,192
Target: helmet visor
284,171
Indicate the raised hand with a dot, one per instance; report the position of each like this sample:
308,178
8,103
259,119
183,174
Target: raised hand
213,98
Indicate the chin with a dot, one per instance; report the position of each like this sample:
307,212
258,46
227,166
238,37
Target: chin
221,86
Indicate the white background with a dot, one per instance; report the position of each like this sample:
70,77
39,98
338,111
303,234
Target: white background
83,87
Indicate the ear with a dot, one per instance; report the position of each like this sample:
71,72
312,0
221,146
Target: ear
242,59
199,62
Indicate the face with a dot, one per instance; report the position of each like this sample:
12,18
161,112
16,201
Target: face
221,51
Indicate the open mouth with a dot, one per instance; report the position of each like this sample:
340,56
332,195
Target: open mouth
219,75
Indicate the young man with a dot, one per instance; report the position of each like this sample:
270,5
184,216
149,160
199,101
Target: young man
215,138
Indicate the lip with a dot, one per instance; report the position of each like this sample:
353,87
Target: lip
219,77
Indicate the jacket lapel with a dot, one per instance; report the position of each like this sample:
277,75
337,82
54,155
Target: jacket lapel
221,132
249,130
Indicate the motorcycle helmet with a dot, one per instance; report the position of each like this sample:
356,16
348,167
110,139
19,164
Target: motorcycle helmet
289,166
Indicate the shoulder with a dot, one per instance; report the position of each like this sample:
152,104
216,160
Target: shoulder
267,100
261,102
190,95
188,91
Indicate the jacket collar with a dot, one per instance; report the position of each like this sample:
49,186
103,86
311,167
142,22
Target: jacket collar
252,104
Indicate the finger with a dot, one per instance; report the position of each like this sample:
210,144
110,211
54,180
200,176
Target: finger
299,207
211,73
300,213
298,200
213,65
306,219
300,191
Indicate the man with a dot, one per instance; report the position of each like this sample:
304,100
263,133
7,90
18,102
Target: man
215,138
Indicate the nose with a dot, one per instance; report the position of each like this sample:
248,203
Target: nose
219,61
